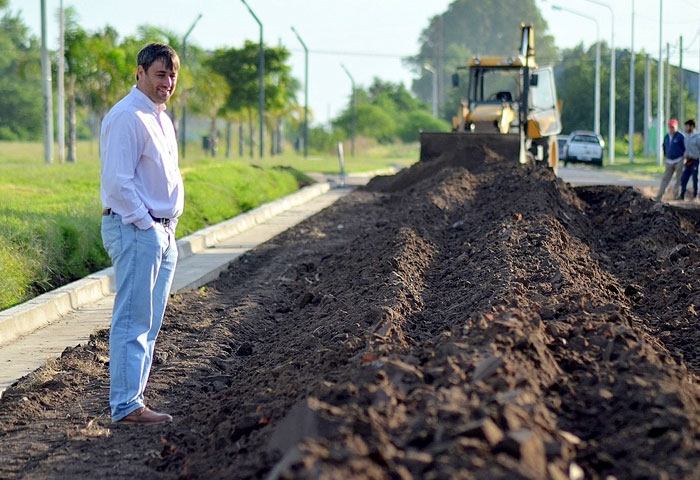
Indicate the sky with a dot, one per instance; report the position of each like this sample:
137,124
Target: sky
369,37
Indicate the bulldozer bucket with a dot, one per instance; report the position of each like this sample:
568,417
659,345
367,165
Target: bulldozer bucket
473,145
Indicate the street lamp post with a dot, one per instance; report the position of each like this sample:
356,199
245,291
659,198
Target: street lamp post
61,115
352,134
261,84
432,70
596,115
632,70
611,121
183,127
306,94
46,92
659,90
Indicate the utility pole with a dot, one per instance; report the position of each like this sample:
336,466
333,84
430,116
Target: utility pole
46,90
306,94
435,83
667,69
352,134
261,83
61,84
632,86
183,128
647,106
596,94
611,114
660,91
681,113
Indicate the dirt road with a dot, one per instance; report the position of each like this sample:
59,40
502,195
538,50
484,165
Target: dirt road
467,318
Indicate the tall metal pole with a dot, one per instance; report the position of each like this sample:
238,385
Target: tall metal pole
434,73
667,69
354,106
660,91
261,84
306,94
611,113
648,119
61,84
632,86
596,101
46,90
183,126
681,112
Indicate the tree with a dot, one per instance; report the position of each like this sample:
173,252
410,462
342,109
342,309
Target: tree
208,97
76,45
575,79
20,81
387,111
240,69
109,73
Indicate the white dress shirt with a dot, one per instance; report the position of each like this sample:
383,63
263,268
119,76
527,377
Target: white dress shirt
140,177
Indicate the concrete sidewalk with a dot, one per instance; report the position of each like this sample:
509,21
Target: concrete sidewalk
43,327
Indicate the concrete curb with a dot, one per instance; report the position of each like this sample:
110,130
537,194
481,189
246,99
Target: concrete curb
40,311
210,236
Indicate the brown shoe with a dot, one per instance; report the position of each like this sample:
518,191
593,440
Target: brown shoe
146,416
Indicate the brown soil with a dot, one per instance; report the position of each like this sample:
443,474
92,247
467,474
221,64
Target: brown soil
466,318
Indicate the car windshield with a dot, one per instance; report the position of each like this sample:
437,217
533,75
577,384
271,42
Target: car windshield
585,139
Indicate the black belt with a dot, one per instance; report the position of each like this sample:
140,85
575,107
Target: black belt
163,221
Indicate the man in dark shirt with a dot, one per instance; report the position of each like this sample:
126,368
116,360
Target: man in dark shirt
674,149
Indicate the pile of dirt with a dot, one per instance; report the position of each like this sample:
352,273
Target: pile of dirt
466,318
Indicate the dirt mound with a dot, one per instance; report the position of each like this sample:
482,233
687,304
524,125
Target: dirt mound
466,318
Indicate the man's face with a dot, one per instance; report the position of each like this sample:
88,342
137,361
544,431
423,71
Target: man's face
158,82
671,129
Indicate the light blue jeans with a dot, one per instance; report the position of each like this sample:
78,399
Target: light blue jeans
144,265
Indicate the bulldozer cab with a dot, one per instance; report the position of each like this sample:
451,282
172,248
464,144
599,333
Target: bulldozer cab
493,85
493,99
497,94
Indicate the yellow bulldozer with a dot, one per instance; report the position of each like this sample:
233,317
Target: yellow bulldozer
510,105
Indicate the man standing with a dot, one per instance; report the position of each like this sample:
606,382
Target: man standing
674,148
142,197
692,154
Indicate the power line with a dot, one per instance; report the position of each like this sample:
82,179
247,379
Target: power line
356,54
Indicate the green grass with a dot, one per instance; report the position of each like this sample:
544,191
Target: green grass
640,167
50,214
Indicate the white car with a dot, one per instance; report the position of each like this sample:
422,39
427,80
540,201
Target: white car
584,146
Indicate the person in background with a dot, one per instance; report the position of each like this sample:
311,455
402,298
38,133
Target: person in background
692,154
674,149
142,197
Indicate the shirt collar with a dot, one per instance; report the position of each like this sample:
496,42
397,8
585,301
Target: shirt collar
143,98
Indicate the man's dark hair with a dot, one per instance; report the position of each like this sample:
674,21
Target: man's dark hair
158,51
690,123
